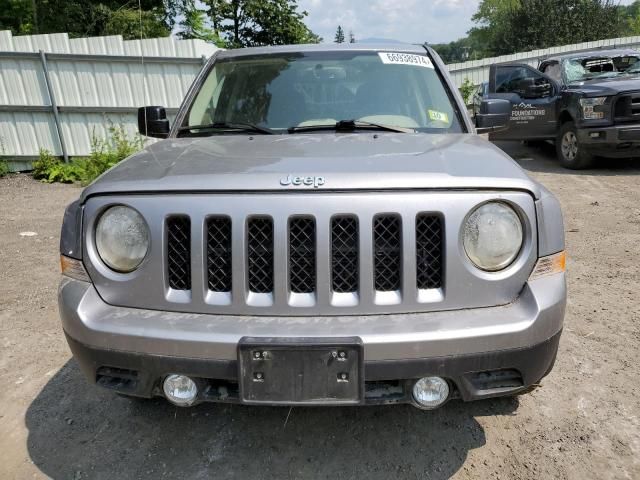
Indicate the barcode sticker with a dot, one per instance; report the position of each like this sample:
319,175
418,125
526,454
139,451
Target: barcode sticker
394,58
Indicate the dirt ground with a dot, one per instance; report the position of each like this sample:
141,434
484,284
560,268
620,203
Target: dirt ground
583,423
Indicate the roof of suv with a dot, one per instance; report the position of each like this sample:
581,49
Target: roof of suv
325,47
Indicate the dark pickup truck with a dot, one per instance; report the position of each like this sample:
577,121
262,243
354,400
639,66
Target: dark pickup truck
588,102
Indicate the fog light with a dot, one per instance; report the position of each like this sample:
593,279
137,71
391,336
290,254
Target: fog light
430,392
180,390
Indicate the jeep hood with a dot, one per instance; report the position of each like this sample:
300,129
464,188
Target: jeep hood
358,161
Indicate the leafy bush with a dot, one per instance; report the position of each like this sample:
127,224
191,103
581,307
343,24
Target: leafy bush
105,153
4,168
466,90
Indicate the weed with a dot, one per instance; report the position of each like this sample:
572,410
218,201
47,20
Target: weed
105,153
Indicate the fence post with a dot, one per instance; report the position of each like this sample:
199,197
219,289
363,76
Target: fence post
54,105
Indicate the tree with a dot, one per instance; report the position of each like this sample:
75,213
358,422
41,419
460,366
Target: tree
194,25
509,26
352,37
339,38
247,23
82,18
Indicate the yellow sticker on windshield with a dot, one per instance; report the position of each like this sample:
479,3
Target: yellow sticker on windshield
438,116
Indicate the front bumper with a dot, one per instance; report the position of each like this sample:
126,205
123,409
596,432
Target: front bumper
617,141
483,353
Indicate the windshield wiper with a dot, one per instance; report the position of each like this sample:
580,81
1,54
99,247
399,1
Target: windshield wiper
244,127
349,126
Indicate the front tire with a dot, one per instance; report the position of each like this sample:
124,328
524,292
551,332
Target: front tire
571,153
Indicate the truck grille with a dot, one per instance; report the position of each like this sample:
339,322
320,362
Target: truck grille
303,255
627,107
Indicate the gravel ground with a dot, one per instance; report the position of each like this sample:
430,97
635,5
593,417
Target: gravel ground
583,422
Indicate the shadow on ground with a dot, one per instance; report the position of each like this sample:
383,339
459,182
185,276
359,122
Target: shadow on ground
541,157
79,431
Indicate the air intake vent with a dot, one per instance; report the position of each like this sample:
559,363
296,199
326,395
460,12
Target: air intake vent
428,251
260,255
219,254
179,252
302,255
386,253
344,254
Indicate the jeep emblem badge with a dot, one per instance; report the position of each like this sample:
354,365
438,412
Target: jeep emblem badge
314,182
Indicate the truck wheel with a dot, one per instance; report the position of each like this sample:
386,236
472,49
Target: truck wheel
570,153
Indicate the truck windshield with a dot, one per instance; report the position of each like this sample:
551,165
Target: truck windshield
281,92
587,68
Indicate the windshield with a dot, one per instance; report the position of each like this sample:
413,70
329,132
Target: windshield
281,91
587,68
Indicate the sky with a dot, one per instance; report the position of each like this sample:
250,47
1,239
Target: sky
412,21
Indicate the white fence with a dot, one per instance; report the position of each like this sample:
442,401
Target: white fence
477,71
57,92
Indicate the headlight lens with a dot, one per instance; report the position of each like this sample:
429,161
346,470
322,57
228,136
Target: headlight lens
122,238
493,236
588,108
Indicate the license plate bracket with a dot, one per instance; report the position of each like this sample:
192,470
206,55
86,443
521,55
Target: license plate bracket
301,371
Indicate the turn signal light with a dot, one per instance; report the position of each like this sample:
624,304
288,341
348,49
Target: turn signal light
550,265
73,268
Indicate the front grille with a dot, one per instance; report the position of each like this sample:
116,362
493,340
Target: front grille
302,255
428,251
627,107
219,254
386,253
179,252
260,255
344,254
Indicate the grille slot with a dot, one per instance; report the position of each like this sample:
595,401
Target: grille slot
219,254
302,255
344,254
387,255
428,251
260,255
179,252
627,107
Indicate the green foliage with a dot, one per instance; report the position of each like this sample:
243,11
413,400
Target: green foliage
339,38
194,25
4,168
104,155
248,23
509,26
466,90
83,18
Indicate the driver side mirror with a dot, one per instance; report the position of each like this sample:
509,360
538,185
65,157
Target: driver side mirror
153,122
494,115
529,89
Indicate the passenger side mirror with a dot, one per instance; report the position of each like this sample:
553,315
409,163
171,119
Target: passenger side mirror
494,115
152,122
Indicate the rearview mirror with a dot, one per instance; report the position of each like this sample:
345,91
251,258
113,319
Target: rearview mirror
494,115
152,122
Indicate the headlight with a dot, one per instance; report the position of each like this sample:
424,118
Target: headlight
122,238
492,236
588,108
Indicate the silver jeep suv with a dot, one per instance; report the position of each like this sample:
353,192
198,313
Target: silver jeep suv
321,225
